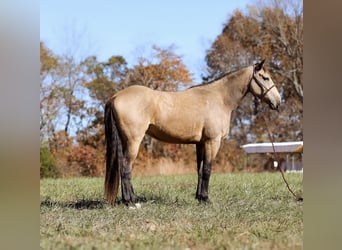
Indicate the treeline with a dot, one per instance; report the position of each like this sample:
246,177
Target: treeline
73,93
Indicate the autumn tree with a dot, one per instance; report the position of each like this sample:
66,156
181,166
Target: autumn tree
105,78
101,80
61,96
62,103
164,70
49,109
273,30
48,105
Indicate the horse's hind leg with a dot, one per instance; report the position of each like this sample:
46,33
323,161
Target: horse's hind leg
128,196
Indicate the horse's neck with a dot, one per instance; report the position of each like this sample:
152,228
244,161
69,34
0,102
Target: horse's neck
234,87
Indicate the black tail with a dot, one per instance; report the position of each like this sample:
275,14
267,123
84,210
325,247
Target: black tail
114,154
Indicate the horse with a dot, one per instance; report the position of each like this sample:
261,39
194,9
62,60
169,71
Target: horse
198,115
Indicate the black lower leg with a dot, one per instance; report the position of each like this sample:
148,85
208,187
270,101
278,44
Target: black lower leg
203,194
199,186
128,196
199,158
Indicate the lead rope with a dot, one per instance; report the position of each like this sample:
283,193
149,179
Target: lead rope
298,198
270,136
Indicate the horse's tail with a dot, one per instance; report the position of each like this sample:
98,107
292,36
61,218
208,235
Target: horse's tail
114,154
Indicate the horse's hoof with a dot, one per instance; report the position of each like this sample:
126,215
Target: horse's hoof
206,202
135,206
203,200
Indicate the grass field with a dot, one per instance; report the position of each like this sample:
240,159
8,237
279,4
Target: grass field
247,211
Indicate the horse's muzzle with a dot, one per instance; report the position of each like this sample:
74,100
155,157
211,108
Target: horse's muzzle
274,106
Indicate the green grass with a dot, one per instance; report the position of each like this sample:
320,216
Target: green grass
247,211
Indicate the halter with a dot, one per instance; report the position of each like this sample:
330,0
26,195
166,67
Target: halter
264,89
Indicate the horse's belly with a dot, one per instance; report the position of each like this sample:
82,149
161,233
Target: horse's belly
180,135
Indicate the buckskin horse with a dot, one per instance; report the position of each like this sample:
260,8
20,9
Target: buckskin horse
198,115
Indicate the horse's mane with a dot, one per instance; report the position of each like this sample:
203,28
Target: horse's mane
222,75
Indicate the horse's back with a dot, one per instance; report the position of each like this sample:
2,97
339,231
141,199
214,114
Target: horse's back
133,91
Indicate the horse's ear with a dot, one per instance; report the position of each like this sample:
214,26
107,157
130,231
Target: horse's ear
259,65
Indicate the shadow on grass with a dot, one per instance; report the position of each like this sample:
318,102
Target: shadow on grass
167,200
101,203
80,204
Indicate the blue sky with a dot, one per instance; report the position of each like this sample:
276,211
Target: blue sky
129,28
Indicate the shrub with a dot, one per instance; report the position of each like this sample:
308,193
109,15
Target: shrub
89,160
48,166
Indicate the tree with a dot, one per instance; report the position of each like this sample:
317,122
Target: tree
283,24
48,61
72,99
163,71
274,31
102,80
71,89
49,106
61,79
105,78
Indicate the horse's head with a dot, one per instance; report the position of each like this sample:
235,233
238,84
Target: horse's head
261,85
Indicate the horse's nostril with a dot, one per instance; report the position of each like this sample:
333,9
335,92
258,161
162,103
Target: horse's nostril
274,106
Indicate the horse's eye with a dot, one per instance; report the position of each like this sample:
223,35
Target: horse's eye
265,78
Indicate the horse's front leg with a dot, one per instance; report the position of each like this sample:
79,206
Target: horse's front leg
210,151
206,172
199,158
